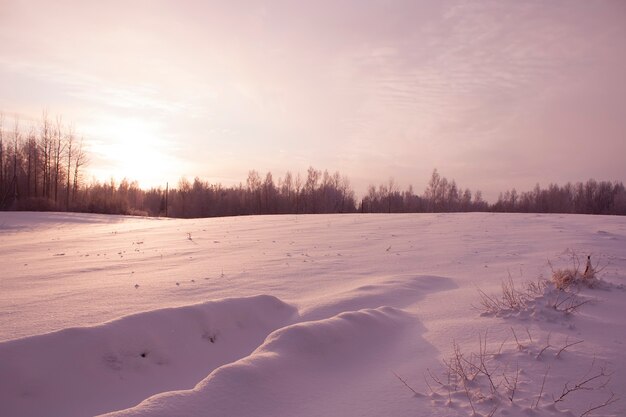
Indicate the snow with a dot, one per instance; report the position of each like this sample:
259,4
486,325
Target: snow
303,315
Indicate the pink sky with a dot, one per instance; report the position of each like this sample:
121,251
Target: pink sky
495,94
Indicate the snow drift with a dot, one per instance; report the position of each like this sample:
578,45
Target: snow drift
89,370
312,361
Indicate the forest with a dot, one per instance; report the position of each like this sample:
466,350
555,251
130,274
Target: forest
41,169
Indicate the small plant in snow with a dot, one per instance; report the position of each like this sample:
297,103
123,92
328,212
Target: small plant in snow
575,274
484,382
511,298
561,292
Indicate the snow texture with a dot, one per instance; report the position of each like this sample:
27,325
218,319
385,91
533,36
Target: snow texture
347,315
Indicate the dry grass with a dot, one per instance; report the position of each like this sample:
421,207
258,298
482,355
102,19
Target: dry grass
560,292
576,275
487,381
511,298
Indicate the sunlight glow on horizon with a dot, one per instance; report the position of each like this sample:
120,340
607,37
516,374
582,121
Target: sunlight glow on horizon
134,151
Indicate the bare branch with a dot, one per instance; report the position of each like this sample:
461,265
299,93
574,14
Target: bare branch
529,336
407,385
546,347
585,383
543,383
608,402
567,345
519,345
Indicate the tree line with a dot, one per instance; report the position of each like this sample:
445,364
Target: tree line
41,168
318,192
591,197
441,195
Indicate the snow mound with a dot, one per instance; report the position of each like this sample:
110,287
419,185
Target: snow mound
290,374
117,364
399,291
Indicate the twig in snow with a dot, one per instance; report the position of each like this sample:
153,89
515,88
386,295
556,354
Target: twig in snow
483,365
546,347
567,345
512,386
585,381
519,345
493,410
570,303
502,344
609,401
543,383
529,336
433,377
428,385
406,384
448,387
469,397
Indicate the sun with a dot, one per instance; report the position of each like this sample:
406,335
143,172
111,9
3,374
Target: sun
134,149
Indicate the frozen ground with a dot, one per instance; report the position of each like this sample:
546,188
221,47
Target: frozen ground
305,316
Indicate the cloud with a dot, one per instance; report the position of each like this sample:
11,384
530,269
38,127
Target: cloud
490,92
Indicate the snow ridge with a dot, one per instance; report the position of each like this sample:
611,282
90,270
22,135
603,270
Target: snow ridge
117,364
298,359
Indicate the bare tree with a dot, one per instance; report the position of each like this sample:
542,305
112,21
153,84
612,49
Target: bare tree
313,177
59,147
286,188
254,189
80,159
466,200
2,177
298,191
45,144
16,138
269,193
31,166
391,189
432,191
69,145
452,197
347,195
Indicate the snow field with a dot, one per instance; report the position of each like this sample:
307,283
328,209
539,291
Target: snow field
308,316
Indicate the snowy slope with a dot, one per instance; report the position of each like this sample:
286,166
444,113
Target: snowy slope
301,315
